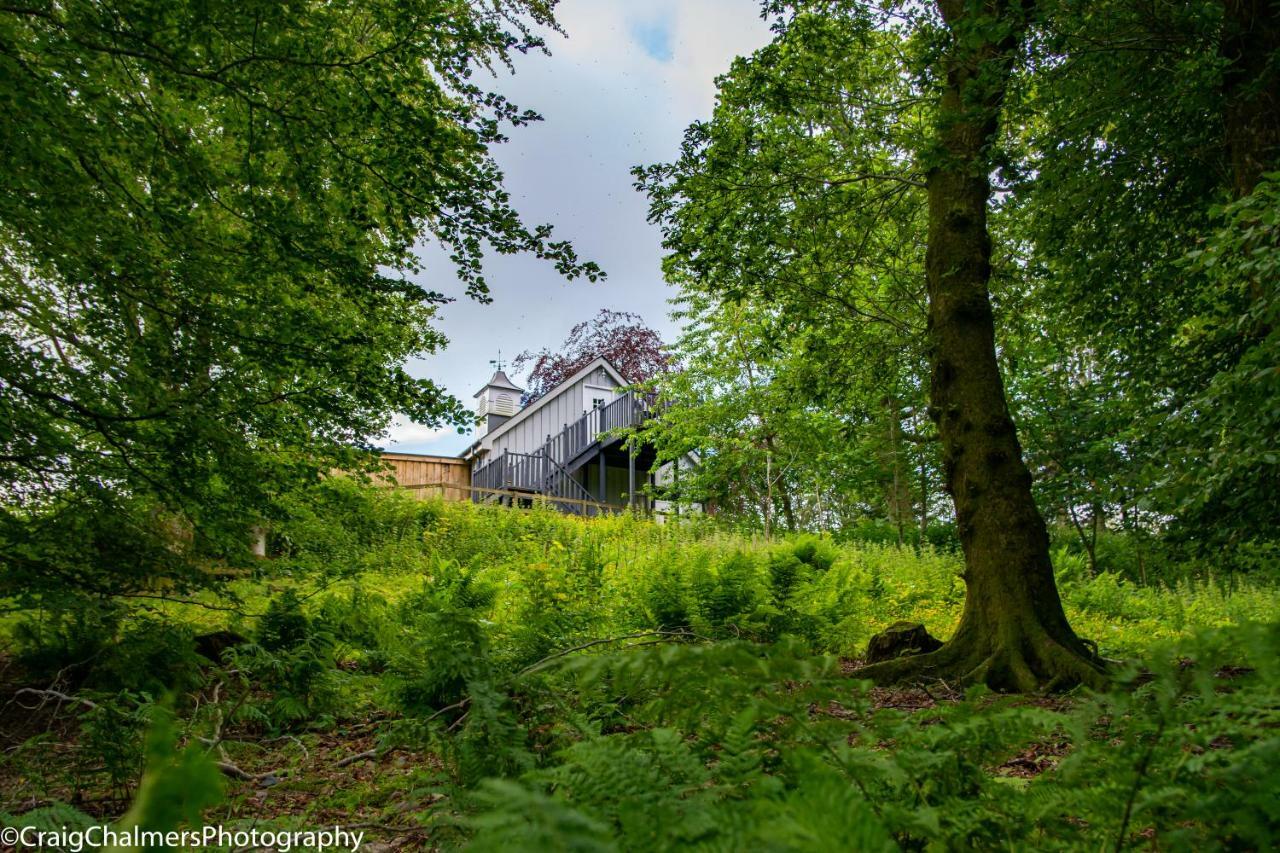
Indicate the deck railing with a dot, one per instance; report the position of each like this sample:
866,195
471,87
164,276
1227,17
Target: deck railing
492,475
546,471
626,411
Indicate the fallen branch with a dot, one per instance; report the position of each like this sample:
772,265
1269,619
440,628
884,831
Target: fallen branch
306,754
222,718
458,722
362,756
394,829
235,772
49,695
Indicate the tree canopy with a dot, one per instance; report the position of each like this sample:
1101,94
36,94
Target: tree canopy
1132,319
209,222
1048,218
622,337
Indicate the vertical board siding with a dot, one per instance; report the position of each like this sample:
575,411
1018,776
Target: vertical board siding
563,408
430,476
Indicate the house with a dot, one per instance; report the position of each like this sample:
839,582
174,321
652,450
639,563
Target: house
564,446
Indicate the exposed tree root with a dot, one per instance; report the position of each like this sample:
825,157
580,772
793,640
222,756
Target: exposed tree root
1032,662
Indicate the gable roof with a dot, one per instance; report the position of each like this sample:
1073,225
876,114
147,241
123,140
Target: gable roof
523,414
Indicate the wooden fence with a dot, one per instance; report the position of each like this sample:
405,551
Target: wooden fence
431,476
450,478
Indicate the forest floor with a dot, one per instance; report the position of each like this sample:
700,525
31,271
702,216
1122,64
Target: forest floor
512,680
309,778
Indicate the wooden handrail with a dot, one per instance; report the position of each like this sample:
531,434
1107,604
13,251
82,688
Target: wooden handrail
544,471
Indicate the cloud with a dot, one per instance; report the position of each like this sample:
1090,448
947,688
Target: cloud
409,437
610,102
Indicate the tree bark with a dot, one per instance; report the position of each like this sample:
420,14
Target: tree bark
1251,89
768,499
924,504
788,509
1013,634
1089,546
897,504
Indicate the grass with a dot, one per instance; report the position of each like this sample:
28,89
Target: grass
432,636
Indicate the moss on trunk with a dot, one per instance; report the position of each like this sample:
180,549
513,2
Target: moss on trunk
1014,634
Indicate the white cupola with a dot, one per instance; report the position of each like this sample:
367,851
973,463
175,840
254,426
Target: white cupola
496,402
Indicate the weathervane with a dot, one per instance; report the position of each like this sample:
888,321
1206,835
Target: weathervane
497,362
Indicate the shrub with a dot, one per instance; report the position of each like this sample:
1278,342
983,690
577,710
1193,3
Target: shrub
289,670
738,747
63,640
438,646
521,647
284,625
728,592
153,656
357,621
112,737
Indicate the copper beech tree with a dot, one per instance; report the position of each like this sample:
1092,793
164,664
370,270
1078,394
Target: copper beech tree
622,337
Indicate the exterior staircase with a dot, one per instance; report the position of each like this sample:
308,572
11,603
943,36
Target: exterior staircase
548,471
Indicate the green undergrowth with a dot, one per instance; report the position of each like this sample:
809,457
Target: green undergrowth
621,573
523,680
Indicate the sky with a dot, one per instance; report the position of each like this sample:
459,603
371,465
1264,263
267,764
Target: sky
617,92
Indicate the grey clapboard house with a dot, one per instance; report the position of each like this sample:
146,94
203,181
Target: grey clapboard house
562,446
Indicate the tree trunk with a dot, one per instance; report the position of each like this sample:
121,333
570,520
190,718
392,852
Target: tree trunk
924,503
768,500
1013,634
788,510
1251,89
1089,547
1098,525
1251,101
896,501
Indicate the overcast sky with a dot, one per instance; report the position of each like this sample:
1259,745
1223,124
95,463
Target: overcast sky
617,92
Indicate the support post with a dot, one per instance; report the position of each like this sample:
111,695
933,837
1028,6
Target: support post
602,494
675,481
631,477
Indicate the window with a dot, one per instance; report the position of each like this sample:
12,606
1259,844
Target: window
596,397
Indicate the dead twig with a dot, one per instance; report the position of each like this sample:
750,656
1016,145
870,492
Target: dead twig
306,754
377,751
235,772
50,695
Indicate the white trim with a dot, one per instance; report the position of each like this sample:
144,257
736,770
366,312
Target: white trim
556,392
591,392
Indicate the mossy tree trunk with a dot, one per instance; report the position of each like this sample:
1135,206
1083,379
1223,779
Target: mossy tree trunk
1013,634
